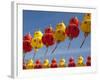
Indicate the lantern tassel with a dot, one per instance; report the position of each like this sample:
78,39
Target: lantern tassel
83,42
69,44
54,48
46,52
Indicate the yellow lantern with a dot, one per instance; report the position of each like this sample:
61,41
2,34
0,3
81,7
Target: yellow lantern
80,61
59,35
62,63
61,26
38,34
87,16
37,43
46,63
30,64
86,26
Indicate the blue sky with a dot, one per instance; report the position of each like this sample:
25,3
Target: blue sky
39,20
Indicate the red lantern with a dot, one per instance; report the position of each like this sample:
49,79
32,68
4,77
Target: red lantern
74,20
88,62
27,46
54,63
72,31
49,30
48,39
71,62
24,66
27,37
38,64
